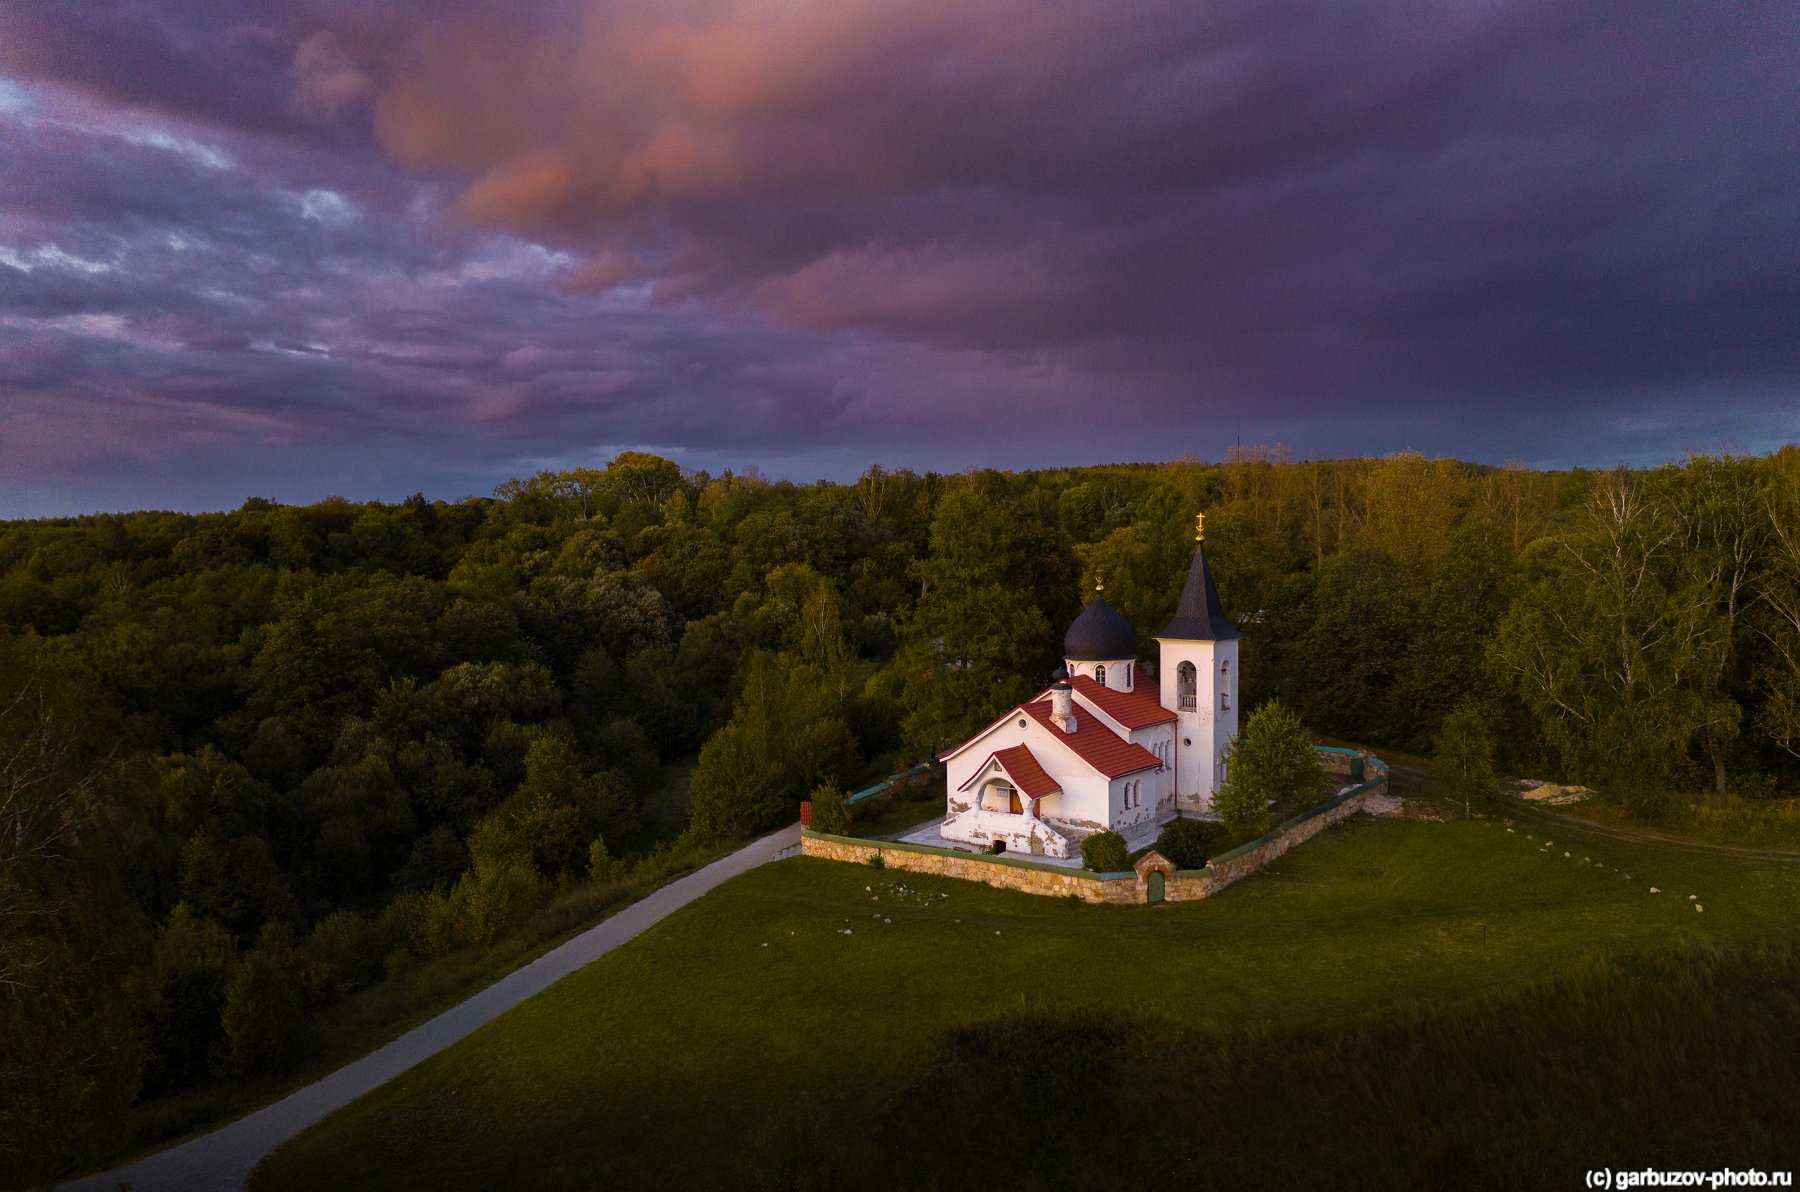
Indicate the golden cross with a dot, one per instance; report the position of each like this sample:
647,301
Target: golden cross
1098,585
1199,527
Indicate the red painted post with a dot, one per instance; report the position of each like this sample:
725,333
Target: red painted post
806,813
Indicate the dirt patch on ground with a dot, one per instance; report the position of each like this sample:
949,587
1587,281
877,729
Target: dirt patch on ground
1552,794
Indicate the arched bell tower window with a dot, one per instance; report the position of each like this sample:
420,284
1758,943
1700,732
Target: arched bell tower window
1100,675
1186,687
1225,685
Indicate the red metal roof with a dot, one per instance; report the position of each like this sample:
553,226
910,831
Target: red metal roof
1025,770
1096,744
1134,709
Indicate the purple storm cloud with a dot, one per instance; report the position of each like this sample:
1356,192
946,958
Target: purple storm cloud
295,248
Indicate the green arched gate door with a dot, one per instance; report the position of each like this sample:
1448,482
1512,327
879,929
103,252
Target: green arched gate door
1154,886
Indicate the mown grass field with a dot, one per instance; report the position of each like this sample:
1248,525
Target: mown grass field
817,1024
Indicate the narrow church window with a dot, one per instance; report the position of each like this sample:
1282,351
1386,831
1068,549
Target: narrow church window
1128,674
1225,685
1186,686
1100,675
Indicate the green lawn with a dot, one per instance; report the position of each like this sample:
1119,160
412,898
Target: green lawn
750,1023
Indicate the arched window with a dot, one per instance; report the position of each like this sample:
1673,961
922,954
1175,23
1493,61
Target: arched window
1100,675
1186,687
1128,674
1225,685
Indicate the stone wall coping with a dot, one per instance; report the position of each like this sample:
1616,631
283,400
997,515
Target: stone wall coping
1002,859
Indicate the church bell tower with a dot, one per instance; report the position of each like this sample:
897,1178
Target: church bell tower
1198,669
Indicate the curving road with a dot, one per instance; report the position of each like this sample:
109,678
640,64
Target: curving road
221,1161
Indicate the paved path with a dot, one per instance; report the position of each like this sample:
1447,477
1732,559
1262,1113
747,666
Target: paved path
221,1161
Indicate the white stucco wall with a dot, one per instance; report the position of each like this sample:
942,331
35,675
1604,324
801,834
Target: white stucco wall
1121,673
1084,795
1208,728
1088,802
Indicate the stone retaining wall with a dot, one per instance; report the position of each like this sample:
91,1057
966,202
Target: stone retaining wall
1054,881
1048,880
1242,862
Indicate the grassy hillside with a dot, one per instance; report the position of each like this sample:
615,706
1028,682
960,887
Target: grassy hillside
814,1021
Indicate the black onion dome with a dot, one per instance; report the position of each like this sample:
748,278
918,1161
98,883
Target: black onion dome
1099,634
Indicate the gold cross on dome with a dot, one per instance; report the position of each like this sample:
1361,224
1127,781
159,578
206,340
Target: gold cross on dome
1199,527
1099,585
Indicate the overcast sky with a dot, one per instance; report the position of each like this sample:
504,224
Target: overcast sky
303,247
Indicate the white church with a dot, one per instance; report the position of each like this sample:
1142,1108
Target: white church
1105,746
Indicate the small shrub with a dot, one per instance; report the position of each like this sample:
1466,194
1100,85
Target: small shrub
1105,852
876,861
1187,842
602,868
340,955
830,814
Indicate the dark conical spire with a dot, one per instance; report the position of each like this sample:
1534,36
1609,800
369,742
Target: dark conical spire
1200,617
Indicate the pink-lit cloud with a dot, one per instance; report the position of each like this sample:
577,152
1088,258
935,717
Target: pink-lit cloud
425,244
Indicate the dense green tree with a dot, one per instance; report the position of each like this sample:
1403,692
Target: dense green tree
261,1020
976,640
1777,620
1272,766
1462,759
560,808
1615,646
784,739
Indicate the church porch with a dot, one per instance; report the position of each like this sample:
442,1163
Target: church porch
1140,835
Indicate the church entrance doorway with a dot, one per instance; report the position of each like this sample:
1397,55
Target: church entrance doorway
1154,886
